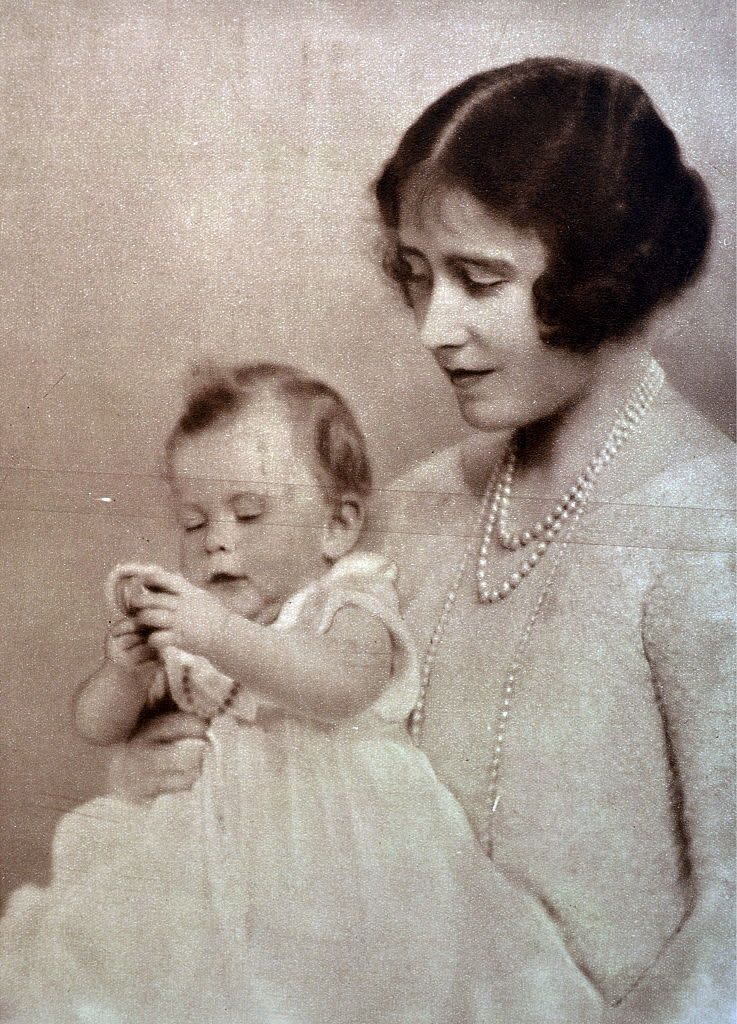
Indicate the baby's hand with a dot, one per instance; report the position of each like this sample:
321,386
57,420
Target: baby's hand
126,646
177,613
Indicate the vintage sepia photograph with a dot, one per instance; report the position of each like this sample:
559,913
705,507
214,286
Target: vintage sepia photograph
367,506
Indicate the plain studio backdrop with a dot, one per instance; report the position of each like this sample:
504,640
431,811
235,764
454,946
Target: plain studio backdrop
181,178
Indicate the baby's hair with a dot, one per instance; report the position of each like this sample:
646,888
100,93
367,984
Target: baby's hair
222,392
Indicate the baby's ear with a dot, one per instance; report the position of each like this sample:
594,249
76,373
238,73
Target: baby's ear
343,527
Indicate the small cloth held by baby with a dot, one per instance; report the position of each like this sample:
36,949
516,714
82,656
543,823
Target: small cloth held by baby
192,681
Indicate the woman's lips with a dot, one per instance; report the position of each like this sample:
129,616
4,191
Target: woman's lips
461,377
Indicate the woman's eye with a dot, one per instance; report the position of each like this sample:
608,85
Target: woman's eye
191,527
477,281
414,278
416,274
246,517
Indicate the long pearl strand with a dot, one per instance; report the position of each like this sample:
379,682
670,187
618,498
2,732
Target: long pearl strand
574,499
417,717
577,496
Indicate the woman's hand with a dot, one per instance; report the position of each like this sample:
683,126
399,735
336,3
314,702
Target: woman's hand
164,756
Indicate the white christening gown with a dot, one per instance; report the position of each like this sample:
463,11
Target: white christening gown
315,874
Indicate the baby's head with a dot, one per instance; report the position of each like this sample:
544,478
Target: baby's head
270,476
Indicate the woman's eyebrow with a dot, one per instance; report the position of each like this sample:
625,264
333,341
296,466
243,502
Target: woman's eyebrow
496,264
409,250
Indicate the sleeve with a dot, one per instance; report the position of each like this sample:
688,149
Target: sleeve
688,633
368,582
198,687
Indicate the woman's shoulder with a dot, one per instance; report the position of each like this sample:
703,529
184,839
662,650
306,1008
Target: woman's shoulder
690,503
413,502
432,498
691,463
676,495
419,513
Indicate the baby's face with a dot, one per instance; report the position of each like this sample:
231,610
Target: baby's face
251,512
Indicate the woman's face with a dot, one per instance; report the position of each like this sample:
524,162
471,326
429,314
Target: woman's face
468,276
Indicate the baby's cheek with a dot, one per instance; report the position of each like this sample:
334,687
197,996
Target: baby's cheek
193,571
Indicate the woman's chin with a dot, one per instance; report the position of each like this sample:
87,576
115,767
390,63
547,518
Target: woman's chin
491,417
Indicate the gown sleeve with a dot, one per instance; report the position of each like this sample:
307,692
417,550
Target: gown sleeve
365,581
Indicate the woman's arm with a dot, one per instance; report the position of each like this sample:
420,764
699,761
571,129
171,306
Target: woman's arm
326,676
688,632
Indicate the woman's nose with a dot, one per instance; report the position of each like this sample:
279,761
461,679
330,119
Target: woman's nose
219,537
442,322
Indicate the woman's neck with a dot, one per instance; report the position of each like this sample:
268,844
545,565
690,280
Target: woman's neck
553,452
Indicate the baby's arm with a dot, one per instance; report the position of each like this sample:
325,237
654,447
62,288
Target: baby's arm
328,676
108,703
325,676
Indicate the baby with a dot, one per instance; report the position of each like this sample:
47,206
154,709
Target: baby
317,871
270,477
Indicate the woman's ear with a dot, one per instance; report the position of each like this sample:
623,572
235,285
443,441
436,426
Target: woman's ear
343,527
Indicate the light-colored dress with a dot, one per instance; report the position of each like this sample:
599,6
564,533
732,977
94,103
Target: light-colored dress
315,873
616,788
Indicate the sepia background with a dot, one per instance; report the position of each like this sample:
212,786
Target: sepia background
181,178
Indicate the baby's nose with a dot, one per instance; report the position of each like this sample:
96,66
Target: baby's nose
219,537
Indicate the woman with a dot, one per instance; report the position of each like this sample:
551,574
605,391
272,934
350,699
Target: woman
569,565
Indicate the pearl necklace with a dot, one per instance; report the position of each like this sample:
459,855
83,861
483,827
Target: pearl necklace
417,717
634,411
573,500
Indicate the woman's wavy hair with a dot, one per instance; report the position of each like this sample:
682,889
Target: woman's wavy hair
579,154
221,392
